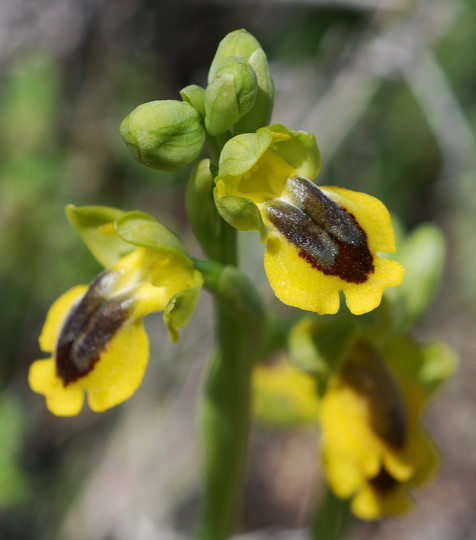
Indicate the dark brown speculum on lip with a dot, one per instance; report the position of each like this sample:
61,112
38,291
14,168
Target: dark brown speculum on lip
90,326
327,236
383,482
352,264
366,372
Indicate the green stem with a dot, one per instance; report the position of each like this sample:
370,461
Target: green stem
333,519
226,409
216,143
225,430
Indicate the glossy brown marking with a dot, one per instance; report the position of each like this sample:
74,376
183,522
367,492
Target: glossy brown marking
65,367
87,331
327,236
353,263
366,373
384,483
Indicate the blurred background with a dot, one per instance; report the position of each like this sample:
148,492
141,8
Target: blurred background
388,87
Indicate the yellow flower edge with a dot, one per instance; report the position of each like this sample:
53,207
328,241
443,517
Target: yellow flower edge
57,315
284,395
114,378
353,456
369,505
296,283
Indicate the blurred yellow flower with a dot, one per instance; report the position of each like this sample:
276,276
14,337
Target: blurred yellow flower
95,333
284,395
373,446
322,240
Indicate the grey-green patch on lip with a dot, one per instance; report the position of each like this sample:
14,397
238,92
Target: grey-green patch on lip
326,235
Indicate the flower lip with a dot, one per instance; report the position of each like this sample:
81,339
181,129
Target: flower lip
302,231
384,482
88,329
334,219
326,235
367,375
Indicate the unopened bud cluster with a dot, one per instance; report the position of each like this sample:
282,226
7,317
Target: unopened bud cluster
170,134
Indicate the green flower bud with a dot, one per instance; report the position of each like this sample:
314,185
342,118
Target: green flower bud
165,135
236,43
242,44
195,95
230,95
260,114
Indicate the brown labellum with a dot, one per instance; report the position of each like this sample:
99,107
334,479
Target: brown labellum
327,236
92,323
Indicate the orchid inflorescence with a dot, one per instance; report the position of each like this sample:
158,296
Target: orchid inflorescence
351,375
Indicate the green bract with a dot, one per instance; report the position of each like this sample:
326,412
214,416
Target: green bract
165,135
319,346
201,209
195,95
230,95
241,43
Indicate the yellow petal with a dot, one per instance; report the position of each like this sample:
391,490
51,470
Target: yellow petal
345,424
417,455
364,297
263,181
283,394
342,476
428,459
295,282
171,275
370,213
120,370
60,400
57,315
369,504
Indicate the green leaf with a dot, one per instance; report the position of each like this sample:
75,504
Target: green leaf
428,366
439,364
423,256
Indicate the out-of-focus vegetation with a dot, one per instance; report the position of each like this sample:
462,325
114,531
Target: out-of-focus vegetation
388,87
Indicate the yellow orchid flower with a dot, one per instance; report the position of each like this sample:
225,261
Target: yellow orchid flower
284,395
95,334
322,240
373,446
